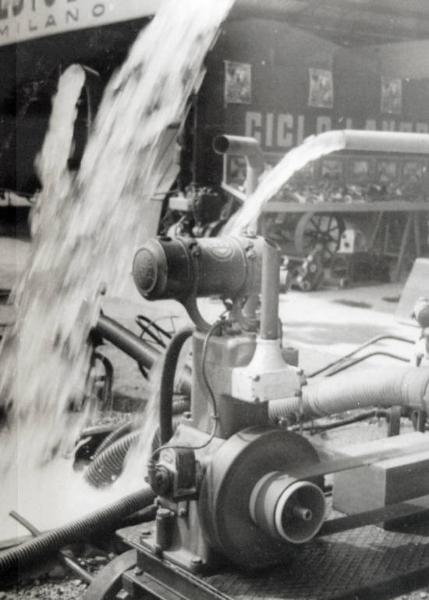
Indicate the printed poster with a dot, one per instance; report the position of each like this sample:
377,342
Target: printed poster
238,83
321,90
391,95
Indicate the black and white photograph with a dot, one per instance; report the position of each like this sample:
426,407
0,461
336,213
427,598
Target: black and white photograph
214,300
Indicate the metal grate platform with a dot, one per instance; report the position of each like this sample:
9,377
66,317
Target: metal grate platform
368,559
368,562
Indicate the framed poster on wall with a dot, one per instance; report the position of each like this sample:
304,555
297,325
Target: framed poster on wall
391,95
238,83
321,88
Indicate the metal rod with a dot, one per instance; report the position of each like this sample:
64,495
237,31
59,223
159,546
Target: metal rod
313,429
126,341
270,291
360,359
66,560
142,352
370,342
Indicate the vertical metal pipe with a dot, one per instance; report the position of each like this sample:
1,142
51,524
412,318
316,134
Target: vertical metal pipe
270,290
250,149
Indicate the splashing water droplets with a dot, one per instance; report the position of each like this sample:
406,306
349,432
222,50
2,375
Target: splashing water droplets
87,228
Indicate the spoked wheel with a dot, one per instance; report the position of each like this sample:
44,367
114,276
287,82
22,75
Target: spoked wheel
319,233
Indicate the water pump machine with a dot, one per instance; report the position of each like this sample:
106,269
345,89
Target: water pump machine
224,476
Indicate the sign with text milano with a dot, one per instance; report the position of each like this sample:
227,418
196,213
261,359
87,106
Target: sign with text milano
25,19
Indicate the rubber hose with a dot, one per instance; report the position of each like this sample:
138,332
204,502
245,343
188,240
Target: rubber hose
141,516
114,435
167,382
406,386
110,456
13,562
104,469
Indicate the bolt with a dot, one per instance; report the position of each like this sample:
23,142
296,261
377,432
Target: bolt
256,378
146,532
138,571
196,561
182,512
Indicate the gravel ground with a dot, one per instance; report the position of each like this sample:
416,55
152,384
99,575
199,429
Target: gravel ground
67,589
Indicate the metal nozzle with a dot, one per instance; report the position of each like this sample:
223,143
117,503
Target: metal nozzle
286,508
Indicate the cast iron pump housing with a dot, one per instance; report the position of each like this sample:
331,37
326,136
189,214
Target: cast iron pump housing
223,477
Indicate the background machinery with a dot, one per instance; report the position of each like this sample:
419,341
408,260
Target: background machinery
276,75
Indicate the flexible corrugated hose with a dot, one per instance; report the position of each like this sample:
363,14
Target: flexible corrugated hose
17,560
106,467
115,435
405,386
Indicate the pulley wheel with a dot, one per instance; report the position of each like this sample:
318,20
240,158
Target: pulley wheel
224,501
318,233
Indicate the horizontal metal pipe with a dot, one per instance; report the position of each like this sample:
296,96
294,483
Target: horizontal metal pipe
239,144
136,348
406,386
126,341
386,141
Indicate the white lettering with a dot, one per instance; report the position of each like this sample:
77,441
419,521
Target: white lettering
284,125
300,129
269,129
285,130
253,124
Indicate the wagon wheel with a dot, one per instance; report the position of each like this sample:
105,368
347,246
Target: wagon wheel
318,232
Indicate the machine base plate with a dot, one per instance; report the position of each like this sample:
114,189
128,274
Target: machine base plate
368,562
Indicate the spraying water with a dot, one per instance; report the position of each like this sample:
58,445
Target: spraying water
89,226
312,149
